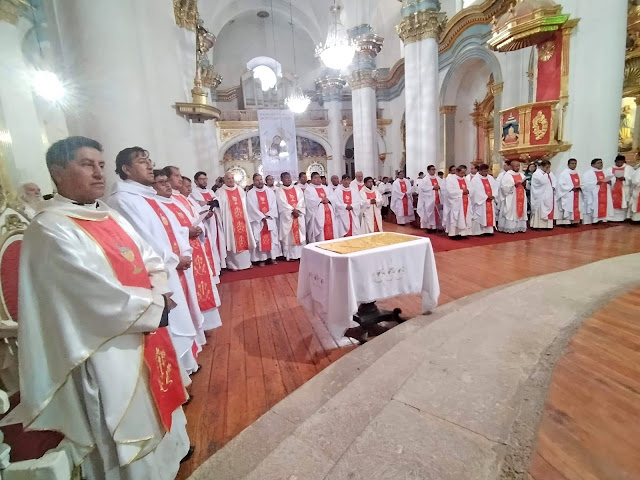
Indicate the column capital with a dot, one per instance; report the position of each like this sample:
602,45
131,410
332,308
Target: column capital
496,88
363,79
368,44
186,13
447,109
420,25
10,11
330,86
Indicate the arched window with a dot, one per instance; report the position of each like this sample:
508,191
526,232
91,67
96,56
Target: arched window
315,167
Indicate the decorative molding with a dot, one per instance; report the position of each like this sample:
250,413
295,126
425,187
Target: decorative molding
394,77
421,25
186,13
330,87
10,10
363,79
230,94
496,88
227,134
319,131
253,125
448,109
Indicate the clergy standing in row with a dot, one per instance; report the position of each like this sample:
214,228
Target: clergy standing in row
135,199
569,195
543,196
430,200
235,224
459,213
620,175
203,196
262,209
402,200
370,208
346,206
320,216
513,210
483,190
93,301
596,188
291,213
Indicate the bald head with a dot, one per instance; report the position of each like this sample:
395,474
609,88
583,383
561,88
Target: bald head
229,181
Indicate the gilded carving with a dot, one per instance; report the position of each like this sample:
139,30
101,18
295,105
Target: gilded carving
448,109
226,134
10,10
421,25
540,125
363,79
546,50
186,13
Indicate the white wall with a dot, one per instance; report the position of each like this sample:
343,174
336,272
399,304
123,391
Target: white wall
394,110
514,66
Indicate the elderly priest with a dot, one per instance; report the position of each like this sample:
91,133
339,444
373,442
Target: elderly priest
96,361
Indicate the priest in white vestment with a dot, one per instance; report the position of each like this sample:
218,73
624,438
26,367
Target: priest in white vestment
620,175
385,190
459,213
543,193
513,212
430,200
262,209
483,190
235,222
291,216
358,182
204,196
402,200
506,166
320,217
635,194
569,196
335,182
472,173
598,204
136,200
346,205
370,208
201,279
93,298
30,199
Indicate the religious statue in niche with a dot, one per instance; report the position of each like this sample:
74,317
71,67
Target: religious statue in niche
511,131
625,135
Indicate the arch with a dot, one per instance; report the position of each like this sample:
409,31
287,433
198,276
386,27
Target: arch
382,144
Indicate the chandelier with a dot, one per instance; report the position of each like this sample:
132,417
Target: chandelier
297,101
338,50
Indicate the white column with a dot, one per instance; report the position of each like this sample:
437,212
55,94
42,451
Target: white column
365,142
26,156
331,86
419,32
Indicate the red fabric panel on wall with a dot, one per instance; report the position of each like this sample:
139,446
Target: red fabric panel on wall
550,70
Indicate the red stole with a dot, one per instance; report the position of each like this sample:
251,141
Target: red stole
328,220
602,195
575,178
519,195
553,205
489,204
292,200
201,273
360,186
405,200
465,198
616,190
265,234
346,198
160,357
207,196
172,238
185,203
434,182
239,222
372,196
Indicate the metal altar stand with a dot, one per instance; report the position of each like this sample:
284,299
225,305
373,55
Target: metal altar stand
369,317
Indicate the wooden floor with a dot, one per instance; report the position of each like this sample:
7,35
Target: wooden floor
590,427
267,346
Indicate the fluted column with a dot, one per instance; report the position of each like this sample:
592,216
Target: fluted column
363,99
419,30
331,86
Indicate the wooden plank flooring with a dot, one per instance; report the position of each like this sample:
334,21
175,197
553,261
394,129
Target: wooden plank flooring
590,427
268,346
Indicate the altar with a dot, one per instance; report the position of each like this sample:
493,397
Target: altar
336,276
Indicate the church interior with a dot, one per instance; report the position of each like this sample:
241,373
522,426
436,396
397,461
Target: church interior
527,368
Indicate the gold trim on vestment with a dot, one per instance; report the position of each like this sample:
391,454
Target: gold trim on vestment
359,244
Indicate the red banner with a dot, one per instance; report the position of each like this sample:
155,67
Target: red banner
405,200
239,223
292,200
549,69
465,198
265,234
489,206
602,195
328,219
519,196
575,178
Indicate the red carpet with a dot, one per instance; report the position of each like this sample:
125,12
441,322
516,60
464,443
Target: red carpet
441,243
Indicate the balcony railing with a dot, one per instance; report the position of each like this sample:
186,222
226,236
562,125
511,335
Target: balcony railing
347,114
252,115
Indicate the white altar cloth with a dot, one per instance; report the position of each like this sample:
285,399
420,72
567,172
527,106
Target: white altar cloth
332,285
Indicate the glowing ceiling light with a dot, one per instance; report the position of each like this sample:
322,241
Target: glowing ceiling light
338,50
297,101
47,85
267,77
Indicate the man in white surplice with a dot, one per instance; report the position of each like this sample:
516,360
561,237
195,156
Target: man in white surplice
429,200
506,166
320,217
135,199
513,211
235,223
291,215
263,215
543,191
90,289
402,200
569,195
358,182
483,190
346,205
370,208
620,175
598,205
459,217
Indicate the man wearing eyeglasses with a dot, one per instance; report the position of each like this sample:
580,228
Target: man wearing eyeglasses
135,199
